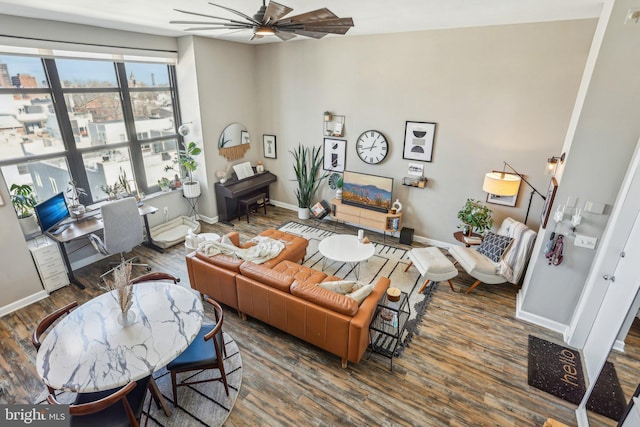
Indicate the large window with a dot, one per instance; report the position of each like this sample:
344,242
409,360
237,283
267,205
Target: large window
87,120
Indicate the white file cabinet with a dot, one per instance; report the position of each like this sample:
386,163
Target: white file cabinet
49,263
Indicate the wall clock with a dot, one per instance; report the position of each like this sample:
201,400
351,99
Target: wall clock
372,147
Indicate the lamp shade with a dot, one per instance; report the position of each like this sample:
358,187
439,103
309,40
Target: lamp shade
501,184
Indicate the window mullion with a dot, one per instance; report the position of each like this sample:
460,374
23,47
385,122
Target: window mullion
74,157
130,126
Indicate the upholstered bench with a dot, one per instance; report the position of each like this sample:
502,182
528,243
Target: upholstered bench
433,265
245,203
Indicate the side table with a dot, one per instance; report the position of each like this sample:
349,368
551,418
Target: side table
460,238
193,202
388,325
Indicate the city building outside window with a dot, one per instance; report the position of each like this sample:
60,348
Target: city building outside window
86,120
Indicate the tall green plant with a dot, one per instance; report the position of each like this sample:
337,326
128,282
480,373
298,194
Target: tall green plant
307,164
23,199
186,159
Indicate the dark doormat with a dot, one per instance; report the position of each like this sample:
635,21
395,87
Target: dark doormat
558,370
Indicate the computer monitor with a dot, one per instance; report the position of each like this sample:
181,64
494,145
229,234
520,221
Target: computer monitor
52,211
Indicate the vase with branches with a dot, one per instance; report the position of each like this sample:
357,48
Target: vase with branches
306,165
121,289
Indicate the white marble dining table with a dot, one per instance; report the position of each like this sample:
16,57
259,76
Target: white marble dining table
89,350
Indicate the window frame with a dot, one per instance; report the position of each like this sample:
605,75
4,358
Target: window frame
73,154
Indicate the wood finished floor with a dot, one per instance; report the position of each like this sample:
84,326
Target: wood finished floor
467,365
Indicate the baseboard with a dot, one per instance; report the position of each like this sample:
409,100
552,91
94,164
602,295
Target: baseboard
538,320
432,242
16,305
581,416
207,219
619,346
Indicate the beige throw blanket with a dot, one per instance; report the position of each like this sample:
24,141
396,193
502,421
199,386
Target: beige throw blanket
265,249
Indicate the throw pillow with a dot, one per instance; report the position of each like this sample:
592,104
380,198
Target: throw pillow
494,245
340,286
361,293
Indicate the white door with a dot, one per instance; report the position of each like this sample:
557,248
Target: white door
621,284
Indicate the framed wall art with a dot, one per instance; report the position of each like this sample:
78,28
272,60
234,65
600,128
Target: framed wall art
418,141
504,200
244,137
551,194
269,146
335,152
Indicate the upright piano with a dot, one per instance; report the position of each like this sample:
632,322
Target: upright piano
227,194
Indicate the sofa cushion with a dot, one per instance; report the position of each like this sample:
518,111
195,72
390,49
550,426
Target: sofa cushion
266,276
494,245
360,294
299,272
324,298
224,261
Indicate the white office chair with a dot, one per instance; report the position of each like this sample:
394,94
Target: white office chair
122,230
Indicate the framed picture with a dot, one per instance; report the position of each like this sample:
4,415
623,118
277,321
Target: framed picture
244,137
504,200
269,146
335,152
551,194
418,141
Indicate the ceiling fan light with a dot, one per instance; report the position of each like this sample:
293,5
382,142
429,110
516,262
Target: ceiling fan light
265,31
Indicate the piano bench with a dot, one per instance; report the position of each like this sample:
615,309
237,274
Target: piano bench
245,203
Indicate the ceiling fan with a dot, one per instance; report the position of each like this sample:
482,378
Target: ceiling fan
270,20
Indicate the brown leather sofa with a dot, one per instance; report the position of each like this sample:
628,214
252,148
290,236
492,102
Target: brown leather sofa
284,294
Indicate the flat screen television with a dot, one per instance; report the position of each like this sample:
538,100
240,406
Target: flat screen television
52,211
367,191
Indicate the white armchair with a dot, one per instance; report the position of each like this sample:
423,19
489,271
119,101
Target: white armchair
511,264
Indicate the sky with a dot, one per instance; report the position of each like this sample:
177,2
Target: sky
83,70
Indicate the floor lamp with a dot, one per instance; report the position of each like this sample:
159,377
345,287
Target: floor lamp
507,184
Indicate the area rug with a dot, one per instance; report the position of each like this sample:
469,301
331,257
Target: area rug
203,404
388,261
557,370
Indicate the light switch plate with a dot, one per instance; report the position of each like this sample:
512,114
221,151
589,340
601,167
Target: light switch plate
594,207
585,241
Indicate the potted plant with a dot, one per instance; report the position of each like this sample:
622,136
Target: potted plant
164,184
475,216
307,164
335,183
23,201
190,187
327,116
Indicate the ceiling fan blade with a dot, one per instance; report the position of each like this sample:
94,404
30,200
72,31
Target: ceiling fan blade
209,16
194,22
255,36
285,35
274,12
312,34
247,17
333,26
219,27
314,15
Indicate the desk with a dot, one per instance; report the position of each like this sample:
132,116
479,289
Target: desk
90,351
84,227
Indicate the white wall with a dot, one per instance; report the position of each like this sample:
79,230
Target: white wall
497,93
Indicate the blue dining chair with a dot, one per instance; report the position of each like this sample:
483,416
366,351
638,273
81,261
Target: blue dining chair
206,351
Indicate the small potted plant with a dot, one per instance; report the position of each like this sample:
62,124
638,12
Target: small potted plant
23,201
164,183
475,217
335,183
327,116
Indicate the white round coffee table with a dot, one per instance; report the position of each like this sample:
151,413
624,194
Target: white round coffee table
345,248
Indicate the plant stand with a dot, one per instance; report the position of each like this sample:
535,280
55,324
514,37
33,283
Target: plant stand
193,202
